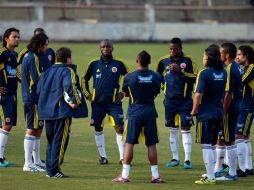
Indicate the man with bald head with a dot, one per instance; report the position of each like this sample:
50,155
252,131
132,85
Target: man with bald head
105,97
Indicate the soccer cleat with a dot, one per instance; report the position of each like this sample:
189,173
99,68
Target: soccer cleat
3,163
241,173
206,181
41,165
250,172
120,179
57,175
227,178
173,163
103,161
157,180
187,165
225,169
31,168
218,174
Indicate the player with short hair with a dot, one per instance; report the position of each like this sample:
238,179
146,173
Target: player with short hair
8,88
142,86
180,74
245,57
208,108
30,73
226,140
105,96
59,96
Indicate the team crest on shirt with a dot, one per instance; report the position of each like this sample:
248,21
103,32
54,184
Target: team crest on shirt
218,76
7,119
41,123
49,57
183,65
114,69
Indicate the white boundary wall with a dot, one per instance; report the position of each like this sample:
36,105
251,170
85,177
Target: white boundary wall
78,31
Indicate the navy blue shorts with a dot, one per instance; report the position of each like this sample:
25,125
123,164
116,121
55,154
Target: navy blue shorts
177,113
229,126
141,127
100,110
207,131
31,116
8,110
244,123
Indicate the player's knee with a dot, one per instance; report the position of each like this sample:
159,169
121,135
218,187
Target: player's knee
98,129
119,129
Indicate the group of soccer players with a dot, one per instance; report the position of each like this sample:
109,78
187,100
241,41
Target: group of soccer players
223,104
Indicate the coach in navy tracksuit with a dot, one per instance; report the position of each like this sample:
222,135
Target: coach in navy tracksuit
59,96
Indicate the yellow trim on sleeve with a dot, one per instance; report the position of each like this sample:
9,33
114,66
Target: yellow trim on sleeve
132,100
93,94
228,77
73,82
246,74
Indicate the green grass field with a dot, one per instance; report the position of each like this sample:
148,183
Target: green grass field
82,157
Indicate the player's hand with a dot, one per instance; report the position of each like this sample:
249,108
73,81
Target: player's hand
173,67
89,98
193,113
2,90
73,105
119,97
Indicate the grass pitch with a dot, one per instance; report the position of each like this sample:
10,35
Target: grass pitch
81,159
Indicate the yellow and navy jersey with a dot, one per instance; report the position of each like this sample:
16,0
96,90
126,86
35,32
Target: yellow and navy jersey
143,86
30,74
8,70
179,84
233,85
248,88
46,60
56,81
211,84
106,79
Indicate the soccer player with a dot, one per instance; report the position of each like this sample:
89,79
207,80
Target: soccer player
232,100
245,57
58,98
8,88
208,107
30,73
180,74
105,96
142,86
48,58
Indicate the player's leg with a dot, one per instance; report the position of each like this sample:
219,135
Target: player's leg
172,121
8,113
131,134
186,122
151,139
37,144
116,115
98,114
31,118
242,126
249,165
58,135
229,128
207,132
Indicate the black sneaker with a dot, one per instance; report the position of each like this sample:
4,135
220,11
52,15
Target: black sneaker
103,161
241,173
250,172
58,175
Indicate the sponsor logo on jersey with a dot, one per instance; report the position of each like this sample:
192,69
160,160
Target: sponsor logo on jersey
98,75
147,79
218,76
